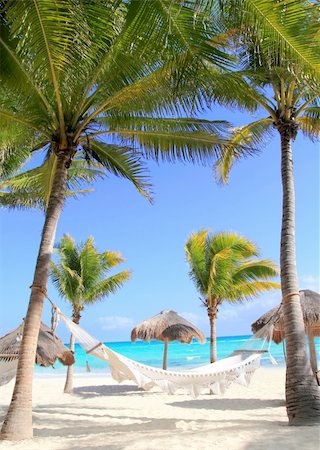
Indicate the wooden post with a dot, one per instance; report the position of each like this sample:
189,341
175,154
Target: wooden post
312,350
165,353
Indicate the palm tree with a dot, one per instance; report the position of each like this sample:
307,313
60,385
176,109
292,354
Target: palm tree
288,90
224,268
80,278
75,71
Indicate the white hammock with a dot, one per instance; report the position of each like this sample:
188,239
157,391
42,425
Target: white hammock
218,376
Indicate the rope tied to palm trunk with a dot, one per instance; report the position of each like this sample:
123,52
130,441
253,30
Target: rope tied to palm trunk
291,294
54,311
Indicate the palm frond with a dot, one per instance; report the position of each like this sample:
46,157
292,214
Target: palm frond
221,269
245,140
33,187
106,287
196,257
310,126
249,290
122,162
80,271
287,30
15,75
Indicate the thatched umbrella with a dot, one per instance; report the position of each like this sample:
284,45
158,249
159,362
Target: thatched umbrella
167,326
310,305
49,348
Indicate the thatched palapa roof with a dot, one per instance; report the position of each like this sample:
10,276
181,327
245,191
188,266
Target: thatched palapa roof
167,325
49,348
310,304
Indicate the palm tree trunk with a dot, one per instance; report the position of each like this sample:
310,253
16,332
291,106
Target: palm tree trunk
213,337
302,394
18,421
68,387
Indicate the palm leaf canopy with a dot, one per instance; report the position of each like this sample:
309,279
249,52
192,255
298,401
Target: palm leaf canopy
167,325
76,71
288,31
81,273
224,266
273,319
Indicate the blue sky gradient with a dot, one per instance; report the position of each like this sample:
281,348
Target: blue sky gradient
152,237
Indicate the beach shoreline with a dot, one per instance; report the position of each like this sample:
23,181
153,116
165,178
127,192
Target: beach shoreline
103,414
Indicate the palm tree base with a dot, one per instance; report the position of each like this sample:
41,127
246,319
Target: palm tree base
305,422
19,427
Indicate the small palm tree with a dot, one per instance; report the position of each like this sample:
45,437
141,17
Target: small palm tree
223,268
79,277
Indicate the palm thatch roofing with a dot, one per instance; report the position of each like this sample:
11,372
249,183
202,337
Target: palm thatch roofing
310,305
49,348
167,326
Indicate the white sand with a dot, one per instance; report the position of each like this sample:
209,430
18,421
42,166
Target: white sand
104,415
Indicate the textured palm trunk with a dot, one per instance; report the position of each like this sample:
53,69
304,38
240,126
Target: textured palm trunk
18,421
68,387
302,394
213,336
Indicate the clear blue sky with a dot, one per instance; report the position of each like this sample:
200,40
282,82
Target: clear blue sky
152,238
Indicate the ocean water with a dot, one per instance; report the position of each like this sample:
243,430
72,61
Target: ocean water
180,356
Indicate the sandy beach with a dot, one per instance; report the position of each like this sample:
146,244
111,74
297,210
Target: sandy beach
105,415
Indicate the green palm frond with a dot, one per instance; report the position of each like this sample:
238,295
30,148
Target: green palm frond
249,290
68,253
122,162
67,281
179,124
310,126
33,187
285,29
17,77
253,270
312,112
195,147
196,257
110,259
171,29
80,272
106,287
244,141
221,265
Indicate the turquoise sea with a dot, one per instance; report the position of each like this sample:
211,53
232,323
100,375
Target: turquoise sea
179,355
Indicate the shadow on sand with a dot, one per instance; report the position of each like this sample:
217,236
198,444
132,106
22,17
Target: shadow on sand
222,404
107,390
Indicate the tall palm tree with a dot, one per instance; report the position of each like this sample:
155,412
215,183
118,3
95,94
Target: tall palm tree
73,72
292,105
224,268
283,79
80,279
